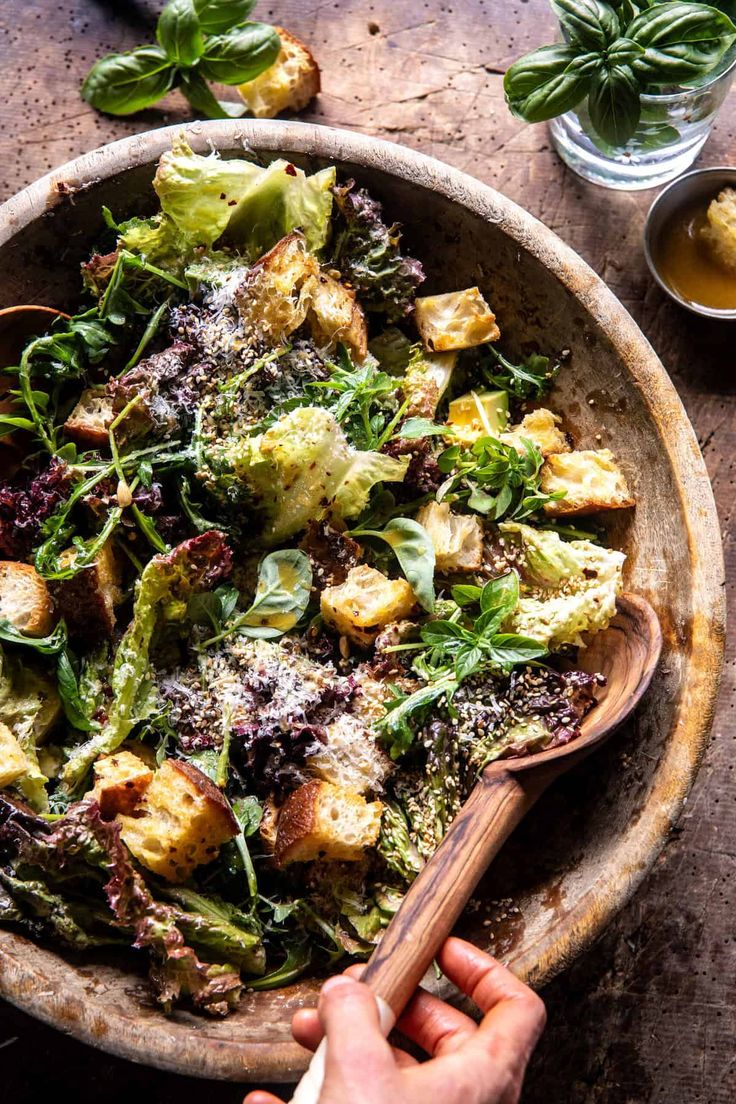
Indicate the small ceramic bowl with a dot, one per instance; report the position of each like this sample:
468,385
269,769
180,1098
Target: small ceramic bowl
702,184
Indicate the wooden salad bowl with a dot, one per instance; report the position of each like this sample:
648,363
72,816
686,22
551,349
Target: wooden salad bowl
592,837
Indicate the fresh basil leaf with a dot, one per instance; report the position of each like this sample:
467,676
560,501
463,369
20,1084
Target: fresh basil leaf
467,662
10,422
681,41
538,87
205,609
413,548
123,83
282,595
587,23
249,814
71,699
44,645
240,55
623,51
216,16
614,105
500,594
202,99
435,631
585,65
507,650
228,597
416,428
206,761
179,33
466,595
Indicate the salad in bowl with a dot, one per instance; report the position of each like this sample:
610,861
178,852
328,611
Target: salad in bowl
291,551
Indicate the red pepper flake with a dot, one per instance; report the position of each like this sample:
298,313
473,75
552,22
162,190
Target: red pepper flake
290,170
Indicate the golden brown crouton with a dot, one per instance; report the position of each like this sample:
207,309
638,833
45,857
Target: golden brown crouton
24,599
289,84
269,823
364,603
541,427
322,820
334,316
350,758
13,760
121,779
276,294
457,538
458,320
180,822
89,422
87,600
591,479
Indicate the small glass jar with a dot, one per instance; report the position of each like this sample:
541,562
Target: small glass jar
672,131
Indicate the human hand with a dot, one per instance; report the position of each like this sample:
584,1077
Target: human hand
469,1063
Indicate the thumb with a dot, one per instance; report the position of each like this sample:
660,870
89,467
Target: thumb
355,1043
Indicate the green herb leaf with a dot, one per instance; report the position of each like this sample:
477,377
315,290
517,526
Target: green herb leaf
69,692
249,813
538,86
44,645
413,548
681,41
120,84
179,33
623,52
281,598
202,99
587,23
614,105
528,380
241,54
416,428
465,594
216,16
508,650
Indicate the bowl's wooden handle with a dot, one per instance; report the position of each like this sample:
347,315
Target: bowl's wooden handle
439,894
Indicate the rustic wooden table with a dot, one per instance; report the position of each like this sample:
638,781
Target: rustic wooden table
649,1014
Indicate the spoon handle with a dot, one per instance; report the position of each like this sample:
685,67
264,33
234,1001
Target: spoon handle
435,900
439,894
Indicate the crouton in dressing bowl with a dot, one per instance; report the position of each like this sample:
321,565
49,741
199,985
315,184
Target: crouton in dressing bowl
595,835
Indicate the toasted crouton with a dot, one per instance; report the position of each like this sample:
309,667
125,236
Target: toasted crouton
458,320
367,600
87,600
179,823
14,762
276,294
289,84
457,538
541,427
89,422
591,479
320,820
269,823
121,780
24,599
334,315
350,758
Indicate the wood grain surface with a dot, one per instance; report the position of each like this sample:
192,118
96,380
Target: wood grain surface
650,1013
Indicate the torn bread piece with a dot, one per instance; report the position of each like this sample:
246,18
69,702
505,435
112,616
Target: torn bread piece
121,779
367,601
541,427
24,599
180,822
14,762
591,480
457,320
88,599
350,757
335,316
89,422
457,538
321,820
288,85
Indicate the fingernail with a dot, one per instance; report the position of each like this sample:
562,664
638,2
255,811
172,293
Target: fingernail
336,982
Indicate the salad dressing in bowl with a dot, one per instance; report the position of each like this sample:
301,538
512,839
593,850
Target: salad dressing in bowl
686,262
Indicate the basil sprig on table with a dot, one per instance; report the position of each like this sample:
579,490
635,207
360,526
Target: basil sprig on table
198,41
612,53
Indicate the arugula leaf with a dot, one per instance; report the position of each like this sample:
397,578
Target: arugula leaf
416,428
413,548
528,380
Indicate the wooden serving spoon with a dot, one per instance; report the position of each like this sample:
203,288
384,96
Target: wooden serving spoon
627,653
